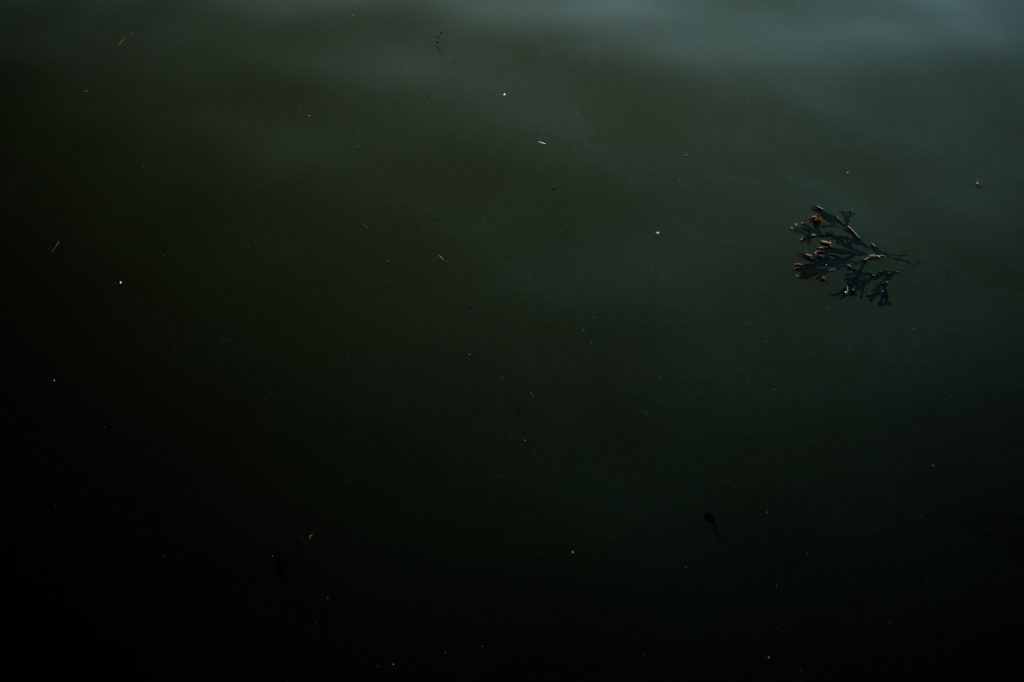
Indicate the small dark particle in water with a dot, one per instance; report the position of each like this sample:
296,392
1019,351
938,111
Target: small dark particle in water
710,518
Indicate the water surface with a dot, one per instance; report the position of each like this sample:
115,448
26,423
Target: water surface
467,313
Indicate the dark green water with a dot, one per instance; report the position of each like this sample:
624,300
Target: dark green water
395,339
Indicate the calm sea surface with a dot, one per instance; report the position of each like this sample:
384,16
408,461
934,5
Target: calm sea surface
377,339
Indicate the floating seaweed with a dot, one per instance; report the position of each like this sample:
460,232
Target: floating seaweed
840,248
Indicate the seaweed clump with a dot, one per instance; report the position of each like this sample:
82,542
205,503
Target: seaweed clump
841,249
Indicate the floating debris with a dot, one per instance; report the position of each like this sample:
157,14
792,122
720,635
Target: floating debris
127,35
844,251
